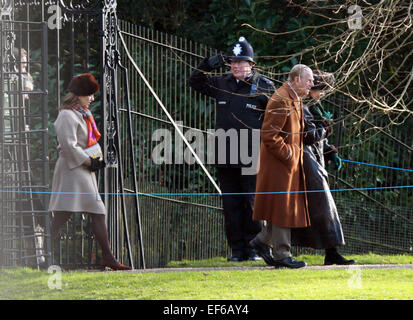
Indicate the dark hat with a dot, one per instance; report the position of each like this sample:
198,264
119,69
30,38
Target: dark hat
322,80
84,84
241,51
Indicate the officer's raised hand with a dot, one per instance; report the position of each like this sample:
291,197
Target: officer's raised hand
216,62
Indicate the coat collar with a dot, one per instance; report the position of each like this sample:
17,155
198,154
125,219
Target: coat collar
298,106
233,84
291,93
230,77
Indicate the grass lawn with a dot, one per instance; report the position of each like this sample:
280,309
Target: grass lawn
267,284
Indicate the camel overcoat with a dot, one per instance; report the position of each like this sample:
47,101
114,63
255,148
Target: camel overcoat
281,163
74,187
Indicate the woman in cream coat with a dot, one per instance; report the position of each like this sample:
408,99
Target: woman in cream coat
74,188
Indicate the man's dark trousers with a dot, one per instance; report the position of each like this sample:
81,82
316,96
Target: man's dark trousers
240,229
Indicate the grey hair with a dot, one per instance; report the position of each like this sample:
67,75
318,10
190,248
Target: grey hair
297,71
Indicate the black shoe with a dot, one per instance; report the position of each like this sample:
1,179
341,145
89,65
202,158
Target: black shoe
337,259
263,251
235,258
290,262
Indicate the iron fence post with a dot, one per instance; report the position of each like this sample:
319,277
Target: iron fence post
2,195
45,95
114,191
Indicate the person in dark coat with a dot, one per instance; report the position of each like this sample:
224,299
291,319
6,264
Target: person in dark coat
325,231
241,96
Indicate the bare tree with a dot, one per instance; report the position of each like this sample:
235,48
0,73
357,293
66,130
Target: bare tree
367,46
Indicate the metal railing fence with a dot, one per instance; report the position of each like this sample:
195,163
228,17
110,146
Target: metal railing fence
24,165
167,62
149,223
174,227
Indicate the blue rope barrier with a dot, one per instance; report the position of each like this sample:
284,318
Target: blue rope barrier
204,194
377,165
234,193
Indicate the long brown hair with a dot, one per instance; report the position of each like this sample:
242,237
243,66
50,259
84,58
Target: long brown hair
69,101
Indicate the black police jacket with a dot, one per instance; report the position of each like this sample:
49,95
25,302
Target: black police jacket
240,106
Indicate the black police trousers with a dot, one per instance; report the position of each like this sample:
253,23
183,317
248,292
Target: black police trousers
240,229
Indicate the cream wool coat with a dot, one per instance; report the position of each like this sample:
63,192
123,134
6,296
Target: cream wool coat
70,176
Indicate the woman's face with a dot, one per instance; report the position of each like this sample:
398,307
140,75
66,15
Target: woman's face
23,59
85,101
316,94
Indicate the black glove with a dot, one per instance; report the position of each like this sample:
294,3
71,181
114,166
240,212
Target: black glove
216,62
96,164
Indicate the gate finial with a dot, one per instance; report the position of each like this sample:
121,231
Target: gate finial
6,9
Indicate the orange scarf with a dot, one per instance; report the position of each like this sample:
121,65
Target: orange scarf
93,132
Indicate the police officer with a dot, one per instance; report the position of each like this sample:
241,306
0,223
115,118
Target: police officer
241,96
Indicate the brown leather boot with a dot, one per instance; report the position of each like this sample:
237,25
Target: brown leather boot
117,266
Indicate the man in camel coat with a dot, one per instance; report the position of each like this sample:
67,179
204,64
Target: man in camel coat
281,200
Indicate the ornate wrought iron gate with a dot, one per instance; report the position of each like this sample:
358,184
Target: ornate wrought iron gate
24,167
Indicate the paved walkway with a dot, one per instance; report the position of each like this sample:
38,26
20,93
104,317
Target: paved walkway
354,266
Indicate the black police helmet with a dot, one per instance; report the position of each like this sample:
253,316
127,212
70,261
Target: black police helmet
241,51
